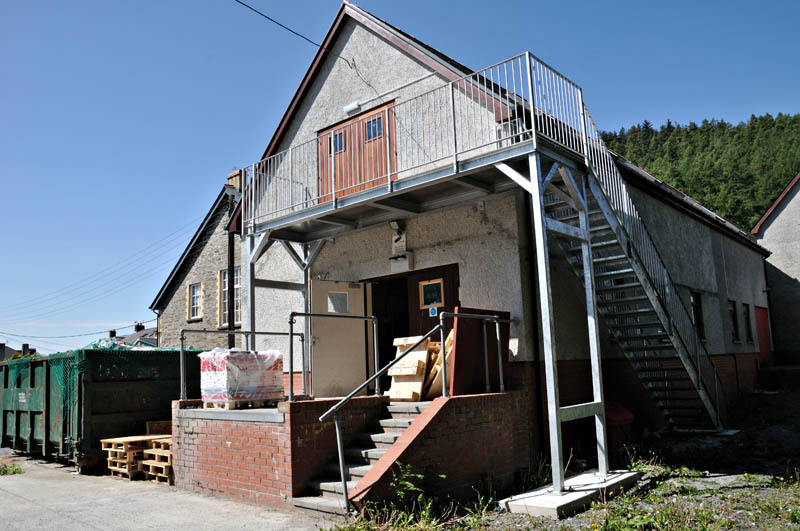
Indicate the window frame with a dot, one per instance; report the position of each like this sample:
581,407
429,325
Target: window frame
333,148
696,303
223,297
190,303
367,123
735,332
748,324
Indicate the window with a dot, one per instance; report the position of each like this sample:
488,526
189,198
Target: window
223,303
336,142
374,128
734,321
195,301
748,330
338,302
697,314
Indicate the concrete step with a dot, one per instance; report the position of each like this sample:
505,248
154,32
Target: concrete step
395,424
398,409
331,488
364,455
320,504
352,471
379,440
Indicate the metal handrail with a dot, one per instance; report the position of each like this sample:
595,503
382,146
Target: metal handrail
185,331
629,220
371,318
334,410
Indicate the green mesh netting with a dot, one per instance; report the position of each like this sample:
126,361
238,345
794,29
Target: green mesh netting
15,367
65,368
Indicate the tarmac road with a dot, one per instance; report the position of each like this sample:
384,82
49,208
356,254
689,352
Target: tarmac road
51,496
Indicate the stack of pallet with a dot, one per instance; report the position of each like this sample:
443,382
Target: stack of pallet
418,375
157,463
125,454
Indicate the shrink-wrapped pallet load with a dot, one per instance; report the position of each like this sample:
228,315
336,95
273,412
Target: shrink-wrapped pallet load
232,375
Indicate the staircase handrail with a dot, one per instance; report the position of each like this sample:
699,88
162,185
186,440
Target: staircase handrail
631,222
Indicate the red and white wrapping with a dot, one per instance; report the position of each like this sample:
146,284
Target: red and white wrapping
233,374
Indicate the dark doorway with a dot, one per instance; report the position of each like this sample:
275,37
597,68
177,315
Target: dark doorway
397,304
390,306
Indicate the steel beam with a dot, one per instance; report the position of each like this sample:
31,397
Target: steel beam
566,231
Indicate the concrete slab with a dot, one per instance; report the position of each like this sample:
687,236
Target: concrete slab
581,491
233,415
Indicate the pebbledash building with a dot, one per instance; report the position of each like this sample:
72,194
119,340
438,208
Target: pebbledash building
401,185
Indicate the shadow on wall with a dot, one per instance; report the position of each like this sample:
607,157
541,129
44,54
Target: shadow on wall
784,301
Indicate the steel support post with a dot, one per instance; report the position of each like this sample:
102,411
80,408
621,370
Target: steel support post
291,358
500,355
594,336
548,322
443,357
182,363
485,357
376,361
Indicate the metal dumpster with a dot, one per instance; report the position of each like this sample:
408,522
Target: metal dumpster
62,405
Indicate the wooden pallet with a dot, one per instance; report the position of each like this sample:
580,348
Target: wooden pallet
242,404
126,444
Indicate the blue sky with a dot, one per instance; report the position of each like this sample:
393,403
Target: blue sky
120,120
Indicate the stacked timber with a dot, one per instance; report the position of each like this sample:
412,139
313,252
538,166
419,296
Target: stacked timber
418,375
157,463
125,454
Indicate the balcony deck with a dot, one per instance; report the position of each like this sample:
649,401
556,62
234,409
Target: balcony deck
433,150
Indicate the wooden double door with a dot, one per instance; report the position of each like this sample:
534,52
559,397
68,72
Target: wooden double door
357,154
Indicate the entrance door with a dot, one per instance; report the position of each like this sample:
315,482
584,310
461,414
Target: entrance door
355,155
396,304
762,327
339,358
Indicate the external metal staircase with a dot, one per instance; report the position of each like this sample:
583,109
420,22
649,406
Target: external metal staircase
633,320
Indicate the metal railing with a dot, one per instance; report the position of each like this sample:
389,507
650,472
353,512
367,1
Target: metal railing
616,193
246,333
371,318
334,411
478,113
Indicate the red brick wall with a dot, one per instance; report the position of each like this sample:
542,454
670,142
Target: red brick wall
262,462
738,373
470,439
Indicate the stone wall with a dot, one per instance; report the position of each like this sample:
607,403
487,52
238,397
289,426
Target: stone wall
203,265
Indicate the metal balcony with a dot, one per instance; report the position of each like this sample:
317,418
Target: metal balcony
428,151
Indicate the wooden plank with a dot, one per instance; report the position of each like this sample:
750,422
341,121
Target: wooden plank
408,387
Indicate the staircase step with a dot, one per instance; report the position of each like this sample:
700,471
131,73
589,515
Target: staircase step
330,488
610,259
397,409
351,470
637,311
600,228
639,324
646,348
396,423
624,300
321,504
660,369
379,440
364,455
661,335
613,274
663,378
676,388
618,287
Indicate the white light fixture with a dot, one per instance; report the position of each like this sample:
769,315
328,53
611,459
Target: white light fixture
352,107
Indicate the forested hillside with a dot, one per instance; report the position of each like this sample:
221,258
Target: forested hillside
735,170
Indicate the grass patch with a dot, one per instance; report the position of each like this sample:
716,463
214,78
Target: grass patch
9,469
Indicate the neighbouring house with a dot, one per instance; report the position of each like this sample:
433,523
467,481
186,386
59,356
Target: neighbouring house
207,277
401,184
779,231
141,336
6,352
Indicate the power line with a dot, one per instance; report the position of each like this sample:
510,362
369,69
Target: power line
122,327
124,263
